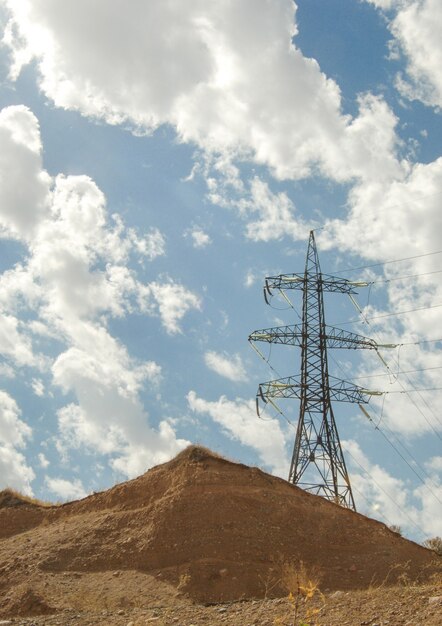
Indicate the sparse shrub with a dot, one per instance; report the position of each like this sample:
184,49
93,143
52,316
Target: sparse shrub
184,581
396,529
435,544
303,589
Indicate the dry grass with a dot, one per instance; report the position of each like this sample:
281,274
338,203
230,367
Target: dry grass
12,497
305,600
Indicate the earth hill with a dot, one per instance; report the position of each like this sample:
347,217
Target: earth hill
197,527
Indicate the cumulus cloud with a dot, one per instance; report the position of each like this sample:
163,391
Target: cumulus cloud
230,367
23,204
170,300
200,239
43,461
416,28
66,489
216,85
435,463
381,495
13,431
248,95
152,245
14,434
239,420
38,387
391,221
75,277
14,343
15,471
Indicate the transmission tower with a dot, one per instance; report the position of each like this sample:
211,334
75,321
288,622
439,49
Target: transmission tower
317,462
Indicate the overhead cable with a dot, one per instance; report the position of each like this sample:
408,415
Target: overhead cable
364,267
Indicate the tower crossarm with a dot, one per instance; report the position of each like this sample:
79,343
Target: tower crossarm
338,338
334,337
301,281
291,387
288,335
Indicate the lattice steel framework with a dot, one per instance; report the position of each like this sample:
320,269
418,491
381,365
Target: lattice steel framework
317,462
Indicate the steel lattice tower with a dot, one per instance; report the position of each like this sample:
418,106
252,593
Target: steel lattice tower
317,462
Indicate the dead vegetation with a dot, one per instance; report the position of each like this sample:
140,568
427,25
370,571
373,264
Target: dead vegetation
12,498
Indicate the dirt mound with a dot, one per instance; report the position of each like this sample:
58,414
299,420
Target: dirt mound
25,601
213,529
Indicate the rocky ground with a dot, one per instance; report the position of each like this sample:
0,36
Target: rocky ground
393,606
201,540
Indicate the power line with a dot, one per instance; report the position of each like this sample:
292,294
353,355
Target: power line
367,320
365,412
377,427
409,258
412,390
377,317
424,369
389,280
415,343
279,410
370,476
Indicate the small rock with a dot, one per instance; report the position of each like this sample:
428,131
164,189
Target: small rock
222,609
435,600
4,622
120,612
130,624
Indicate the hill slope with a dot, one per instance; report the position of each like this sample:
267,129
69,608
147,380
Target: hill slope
198,524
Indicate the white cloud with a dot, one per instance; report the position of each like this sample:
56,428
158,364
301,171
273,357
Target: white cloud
381,495
192,67
14,470
200,238
66,489
435,463
230,367
275,213
14,434
43,461
400,220
24,187
430,497
152,245
250,279
75,278
417,27
239,421
38,387
14,344
106,423
170,300
13,431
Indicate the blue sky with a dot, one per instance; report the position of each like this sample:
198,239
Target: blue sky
158,160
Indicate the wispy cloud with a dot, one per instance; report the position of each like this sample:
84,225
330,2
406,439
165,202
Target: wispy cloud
230,367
